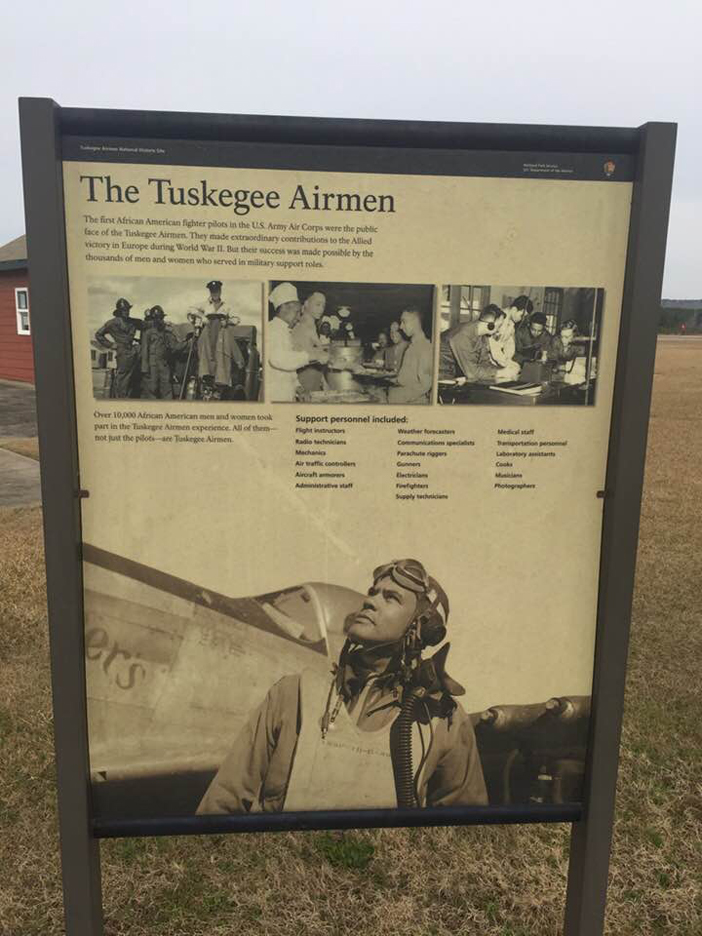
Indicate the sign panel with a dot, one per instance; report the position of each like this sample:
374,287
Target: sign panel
338,409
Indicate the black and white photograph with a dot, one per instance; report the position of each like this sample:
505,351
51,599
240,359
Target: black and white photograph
154,338
519,345
328,694
349,343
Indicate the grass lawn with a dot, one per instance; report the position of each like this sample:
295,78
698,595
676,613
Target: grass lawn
506,881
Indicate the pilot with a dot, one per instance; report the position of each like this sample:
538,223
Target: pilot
158,345
122,329
341,742
221,363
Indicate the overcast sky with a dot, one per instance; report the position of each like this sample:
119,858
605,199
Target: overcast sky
615,63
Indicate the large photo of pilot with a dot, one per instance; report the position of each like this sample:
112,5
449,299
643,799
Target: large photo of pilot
519,345
349,343
154,338
345,740
336,693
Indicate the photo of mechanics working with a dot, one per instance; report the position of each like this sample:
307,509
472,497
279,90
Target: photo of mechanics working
519,345
175,339
349,343
340,694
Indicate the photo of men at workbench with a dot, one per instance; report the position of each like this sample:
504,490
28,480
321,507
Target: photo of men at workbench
191,339
349,343
519,345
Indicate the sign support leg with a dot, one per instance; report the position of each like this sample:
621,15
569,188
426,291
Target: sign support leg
43,192
592,836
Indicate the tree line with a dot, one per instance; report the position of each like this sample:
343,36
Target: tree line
678,320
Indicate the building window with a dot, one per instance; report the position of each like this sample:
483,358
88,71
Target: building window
473,301
22,310
553,307
462,304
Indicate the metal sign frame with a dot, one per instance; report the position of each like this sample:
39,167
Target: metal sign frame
43,124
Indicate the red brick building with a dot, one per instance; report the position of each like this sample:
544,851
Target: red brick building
16,358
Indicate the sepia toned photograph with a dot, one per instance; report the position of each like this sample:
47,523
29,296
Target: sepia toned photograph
154,338
318,695
519,345
349,343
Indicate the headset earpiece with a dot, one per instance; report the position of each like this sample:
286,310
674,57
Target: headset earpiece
431,627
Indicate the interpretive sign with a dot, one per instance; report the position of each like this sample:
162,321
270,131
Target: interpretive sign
314,585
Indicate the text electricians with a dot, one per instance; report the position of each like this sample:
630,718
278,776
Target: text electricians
202,195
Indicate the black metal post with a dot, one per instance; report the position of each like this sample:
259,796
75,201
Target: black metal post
43,198
592,835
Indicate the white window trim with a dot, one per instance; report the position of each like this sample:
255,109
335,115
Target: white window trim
18,312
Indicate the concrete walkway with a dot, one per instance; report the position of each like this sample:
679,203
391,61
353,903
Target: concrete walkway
19,480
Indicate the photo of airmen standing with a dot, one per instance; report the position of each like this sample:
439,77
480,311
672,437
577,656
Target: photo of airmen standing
197,342
349,343
519,345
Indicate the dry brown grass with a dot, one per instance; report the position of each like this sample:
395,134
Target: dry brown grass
27,447
506,881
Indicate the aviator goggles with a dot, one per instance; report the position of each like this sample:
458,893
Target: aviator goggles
409,573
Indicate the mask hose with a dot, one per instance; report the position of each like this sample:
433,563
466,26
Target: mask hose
406,796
